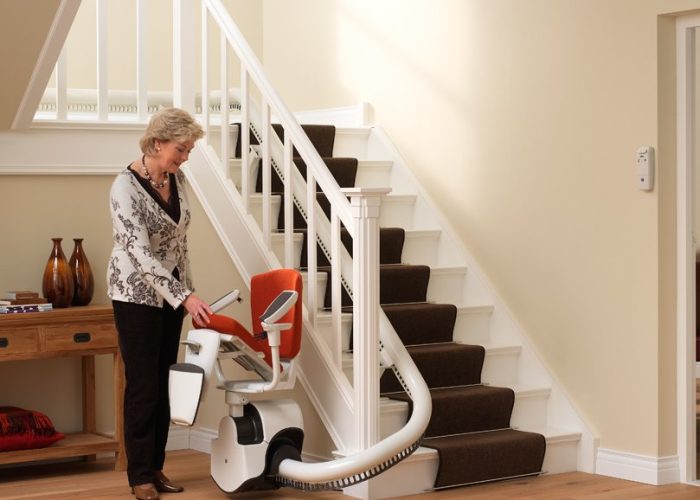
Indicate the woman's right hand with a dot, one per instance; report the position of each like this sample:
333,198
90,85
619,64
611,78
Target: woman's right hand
198,309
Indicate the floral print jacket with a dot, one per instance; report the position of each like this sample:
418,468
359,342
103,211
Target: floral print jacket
148,246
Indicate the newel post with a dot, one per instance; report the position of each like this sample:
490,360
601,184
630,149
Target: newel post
365,204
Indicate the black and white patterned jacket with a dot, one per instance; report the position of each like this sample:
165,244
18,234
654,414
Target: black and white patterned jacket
148,246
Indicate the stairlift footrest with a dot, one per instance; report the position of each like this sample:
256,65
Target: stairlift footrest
185,387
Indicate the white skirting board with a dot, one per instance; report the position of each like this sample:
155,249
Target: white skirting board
640,468
199,439
178,438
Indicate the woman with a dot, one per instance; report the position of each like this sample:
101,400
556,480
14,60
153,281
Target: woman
150,284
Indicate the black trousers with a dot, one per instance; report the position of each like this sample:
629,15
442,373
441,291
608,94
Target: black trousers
148,339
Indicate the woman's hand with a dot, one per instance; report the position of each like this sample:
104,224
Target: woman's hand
198,309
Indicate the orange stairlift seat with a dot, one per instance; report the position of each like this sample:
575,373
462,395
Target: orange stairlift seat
264,288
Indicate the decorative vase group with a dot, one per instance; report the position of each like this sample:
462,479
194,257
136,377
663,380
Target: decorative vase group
68,282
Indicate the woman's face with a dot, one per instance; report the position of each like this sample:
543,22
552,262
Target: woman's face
172,154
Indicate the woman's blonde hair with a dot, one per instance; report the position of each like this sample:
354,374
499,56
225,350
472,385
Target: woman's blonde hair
170,124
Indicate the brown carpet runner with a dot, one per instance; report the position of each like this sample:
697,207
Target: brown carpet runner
470,422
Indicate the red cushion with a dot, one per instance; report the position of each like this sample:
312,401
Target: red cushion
25,429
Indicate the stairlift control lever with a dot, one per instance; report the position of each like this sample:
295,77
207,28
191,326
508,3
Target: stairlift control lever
645,168
224,301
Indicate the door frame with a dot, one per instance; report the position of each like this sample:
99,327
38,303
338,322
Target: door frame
686,319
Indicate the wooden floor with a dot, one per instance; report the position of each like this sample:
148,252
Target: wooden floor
80,480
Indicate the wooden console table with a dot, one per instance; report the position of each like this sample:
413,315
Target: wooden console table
75,331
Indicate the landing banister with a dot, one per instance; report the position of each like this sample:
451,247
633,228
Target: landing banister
141,60
102,75
292,127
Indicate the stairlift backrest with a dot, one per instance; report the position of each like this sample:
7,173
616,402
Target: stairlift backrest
277,308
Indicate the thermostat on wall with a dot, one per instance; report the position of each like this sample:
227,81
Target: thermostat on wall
645,168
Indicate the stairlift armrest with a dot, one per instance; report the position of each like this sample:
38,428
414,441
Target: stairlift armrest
279,307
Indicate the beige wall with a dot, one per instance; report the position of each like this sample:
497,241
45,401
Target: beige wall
121,42
521,119
23,28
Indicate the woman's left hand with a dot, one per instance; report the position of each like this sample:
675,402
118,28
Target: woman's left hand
198,309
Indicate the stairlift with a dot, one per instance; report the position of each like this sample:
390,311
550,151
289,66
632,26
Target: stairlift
259,442
255,436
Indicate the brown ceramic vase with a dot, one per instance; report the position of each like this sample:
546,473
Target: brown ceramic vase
83,281
57,284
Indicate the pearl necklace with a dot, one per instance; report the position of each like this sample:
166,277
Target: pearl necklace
157,185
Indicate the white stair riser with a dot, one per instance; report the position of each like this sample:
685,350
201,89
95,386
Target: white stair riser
413,476
351,144
373,174
397,212
322,279
278,247
393,416
530,411
473,326
421,248
447,286
501,368
324,324
561,456
256,209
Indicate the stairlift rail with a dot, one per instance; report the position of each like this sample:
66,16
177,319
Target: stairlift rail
363,465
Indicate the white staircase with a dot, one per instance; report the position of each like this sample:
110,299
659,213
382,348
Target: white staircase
540,405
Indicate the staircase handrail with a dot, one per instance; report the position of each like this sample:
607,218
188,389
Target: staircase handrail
372,456
289,122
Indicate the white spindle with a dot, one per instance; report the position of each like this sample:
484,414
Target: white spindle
142,59
365,203
266,173
244,135
183,55
62,86
336,291
205,70
223,113
288,203
102,74
311,257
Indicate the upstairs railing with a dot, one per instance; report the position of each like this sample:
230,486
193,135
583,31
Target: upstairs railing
356,210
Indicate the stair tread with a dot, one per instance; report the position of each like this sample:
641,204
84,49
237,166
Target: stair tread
486,456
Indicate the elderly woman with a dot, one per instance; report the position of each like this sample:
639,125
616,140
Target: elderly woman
150,284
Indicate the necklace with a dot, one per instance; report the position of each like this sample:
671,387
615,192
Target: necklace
157,185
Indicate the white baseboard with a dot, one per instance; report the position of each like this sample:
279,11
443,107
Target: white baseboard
640,468
201,438
178,438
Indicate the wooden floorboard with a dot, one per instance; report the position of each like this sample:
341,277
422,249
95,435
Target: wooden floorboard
81,480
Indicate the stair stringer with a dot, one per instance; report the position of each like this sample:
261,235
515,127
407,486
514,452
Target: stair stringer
330,392
533,369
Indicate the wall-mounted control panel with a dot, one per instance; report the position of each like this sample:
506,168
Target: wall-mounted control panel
645,168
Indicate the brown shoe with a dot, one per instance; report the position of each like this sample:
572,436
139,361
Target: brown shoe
164,485
145,491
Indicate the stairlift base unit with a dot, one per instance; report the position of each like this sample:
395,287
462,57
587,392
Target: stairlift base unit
248,449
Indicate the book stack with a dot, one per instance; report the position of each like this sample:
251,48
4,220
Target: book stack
19,301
